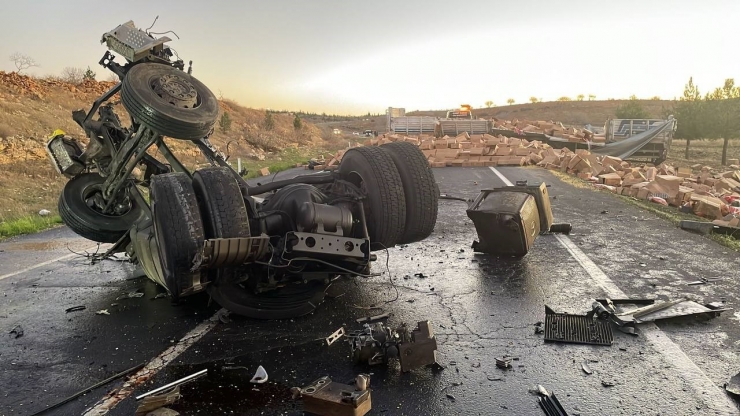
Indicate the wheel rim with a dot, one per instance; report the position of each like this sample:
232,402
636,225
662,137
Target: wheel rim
93,197
176,90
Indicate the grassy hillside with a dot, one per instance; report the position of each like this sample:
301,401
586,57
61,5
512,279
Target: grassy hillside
567,112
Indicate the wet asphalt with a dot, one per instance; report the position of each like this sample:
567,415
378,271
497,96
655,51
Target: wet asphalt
481,307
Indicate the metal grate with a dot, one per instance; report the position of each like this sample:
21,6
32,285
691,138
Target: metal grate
577,329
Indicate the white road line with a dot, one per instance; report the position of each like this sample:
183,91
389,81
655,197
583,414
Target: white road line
715,399
502,177
36,266
107,403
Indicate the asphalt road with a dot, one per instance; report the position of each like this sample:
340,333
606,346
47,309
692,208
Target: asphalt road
481,308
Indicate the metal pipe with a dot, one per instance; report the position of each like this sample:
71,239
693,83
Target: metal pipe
89,389
317,178
363,219
167,153
105,97
173,384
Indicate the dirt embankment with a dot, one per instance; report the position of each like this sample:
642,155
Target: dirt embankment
576,113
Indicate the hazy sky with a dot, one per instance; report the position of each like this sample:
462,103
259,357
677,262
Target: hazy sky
359,56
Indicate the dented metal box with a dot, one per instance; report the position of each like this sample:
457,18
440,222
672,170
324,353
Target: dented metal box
541,197
507,222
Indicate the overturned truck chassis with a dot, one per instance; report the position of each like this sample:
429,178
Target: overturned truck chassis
205,230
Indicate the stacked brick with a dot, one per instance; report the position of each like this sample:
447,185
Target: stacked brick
700,189
472,150
550,128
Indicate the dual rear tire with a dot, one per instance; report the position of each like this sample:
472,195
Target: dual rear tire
402,195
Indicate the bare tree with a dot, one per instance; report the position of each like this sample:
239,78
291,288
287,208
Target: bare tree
112,78
22,62
73,75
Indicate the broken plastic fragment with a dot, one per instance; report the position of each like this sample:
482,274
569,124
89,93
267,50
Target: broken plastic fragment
102,312
586,368
260,376
130,295
17,331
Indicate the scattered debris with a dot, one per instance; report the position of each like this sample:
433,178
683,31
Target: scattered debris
671,309
260,376
715,305
579,329
375,318
102,312
451,397
421,275
362,382
17,331
586,368
160,295
158,401
76,308
503,363
549,403
704,280
323,397
561,228
733,386
44,213
538,328
339,333
131,295
233,367
607,383
376,343
420,349
173,384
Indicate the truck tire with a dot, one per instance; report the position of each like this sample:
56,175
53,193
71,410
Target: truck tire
288,302
88,222
222,206
169,101
372,170
419,187
178,228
